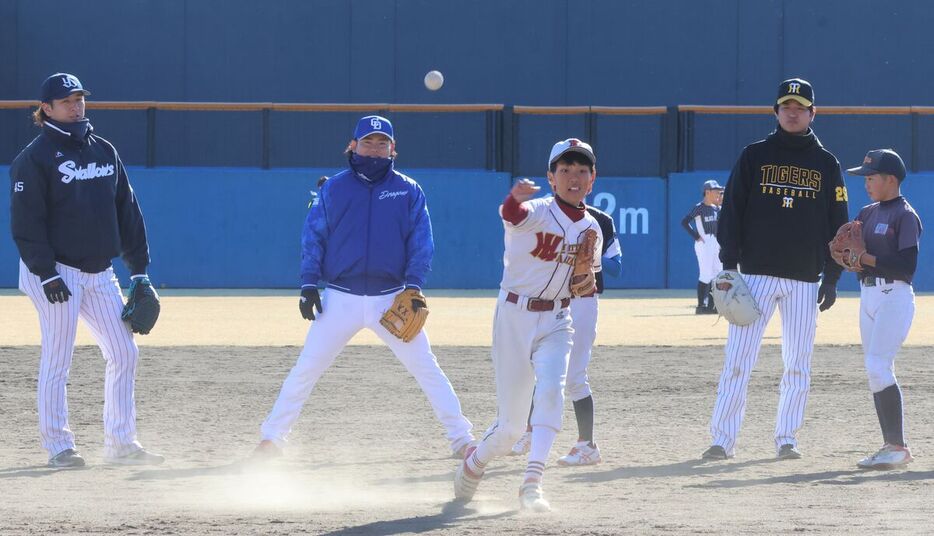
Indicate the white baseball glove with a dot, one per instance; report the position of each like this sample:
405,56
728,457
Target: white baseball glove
733,299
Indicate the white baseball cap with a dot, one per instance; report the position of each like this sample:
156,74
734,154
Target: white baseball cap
571,145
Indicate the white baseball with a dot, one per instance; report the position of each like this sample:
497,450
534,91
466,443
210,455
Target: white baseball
434,80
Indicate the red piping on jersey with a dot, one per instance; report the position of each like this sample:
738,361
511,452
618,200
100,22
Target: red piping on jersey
513,211
575,214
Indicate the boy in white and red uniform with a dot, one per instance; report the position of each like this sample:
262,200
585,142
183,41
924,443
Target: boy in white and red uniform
532,324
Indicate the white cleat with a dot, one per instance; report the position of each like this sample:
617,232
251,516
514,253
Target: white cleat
532,499
137,457
465,481
523,445
581,454
66,458
888,457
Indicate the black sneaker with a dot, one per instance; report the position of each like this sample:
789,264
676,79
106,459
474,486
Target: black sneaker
67,458
788,452
715,452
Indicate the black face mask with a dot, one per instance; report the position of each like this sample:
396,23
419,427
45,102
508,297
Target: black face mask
370,168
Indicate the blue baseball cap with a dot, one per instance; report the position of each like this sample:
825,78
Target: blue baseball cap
712,185
881,161
59,86
373,124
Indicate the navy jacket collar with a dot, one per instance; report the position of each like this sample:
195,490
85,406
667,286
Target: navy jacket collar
78,132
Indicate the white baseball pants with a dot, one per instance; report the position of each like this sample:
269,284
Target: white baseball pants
344,315
885,314
530,354
584,321
97,300
797,304
708,258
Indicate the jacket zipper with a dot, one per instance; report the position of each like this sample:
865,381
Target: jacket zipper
366,242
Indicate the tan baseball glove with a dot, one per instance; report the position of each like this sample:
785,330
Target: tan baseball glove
848,246
583,279
407,315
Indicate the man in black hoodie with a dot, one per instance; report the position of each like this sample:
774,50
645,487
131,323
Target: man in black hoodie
73,211
784,201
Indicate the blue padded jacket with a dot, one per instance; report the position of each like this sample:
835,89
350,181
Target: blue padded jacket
367,238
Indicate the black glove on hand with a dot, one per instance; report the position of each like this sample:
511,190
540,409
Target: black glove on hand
826,295
309,301
56,291
142,308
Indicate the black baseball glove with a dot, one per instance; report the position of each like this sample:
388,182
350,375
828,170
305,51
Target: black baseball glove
309,301
142,306
56,291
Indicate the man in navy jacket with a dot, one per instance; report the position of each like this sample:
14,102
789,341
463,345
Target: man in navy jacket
72,212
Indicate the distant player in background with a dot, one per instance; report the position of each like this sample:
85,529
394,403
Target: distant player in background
891,230
368,238
72,212
314,193
704,216
584,321
532,330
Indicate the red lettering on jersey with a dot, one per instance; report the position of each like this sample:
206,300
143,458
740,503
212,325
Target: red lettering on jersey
547,247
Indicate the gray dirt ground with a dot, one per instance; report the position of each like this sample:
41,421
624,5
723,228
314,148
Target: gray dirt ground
367,456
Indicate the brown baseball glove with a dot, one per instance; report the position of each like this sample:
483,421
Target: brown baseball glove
848,246
407,315
583,279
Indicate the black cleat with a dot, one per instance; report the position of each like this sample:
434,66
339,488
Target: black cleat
788,452
715,452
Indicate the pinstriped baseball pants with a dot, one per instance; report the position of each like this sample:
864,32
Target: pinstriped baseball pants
96,298
797,304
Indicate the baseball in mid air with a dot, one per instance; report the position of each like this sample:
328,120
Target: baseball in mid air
434,80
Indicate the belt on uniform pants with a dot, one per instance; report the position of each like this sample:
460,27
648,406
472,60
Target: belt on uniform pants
872,281
536,305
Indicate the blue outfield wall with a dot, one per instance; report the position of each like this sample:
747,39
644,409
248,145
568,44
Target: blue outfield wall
685,192
637,205
241,228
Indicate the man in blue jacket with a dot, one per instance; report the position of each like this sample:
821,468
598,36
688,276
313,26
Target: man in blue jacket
367,238
73,211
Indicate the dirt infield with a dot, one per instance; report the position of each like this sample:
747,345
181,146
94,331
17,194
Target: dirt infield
458,318
367,456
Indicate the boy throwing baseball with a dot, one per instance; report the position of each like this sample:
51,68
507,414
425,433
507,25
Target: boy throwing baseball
532,323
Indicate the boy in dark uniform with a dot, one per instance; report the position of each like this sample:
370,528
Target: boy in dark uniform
891,231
